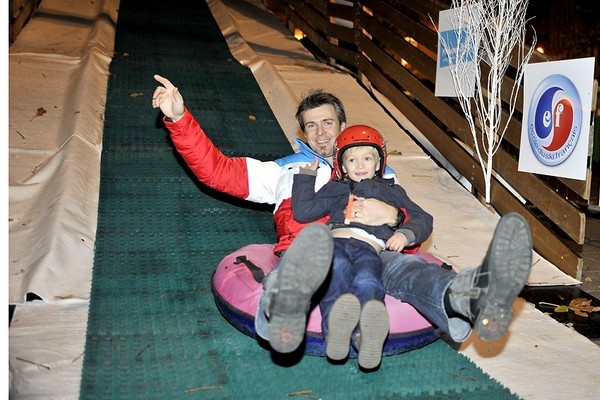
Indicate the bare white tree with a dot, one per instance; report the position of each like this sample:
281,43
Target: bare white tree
487,36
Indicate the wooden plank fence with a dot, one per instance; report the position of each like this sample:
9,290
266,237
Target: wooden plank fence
20,11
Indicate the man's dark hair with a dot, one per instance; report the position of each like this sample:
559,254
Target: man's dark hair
317,98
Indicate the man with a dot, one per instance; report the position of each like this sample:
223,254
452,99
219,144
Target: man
479,298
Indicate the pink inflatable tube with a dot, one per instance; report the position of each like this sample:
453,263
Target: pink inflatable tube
237,290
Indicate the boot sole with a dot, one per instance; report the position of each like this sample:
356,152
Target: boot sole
509,267
302,270
374,329
343,318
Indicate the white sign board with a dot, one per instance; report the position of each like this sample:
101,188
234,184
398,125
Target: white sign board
557,118
456,52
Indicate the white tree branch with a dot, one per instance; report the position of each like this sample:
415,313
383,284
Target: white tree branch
489,31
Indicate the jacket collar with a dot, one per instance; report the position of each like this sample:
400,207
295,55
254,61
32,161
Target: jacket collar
306,149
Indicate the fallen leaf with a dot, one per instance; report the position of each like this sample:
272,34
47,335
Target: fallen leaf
136,94
69,296
35,363
561,309
303,393
196,389
582,307
251,117
40,112
579,306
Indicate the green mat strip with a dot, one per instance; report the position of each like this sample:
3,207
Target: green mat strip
154,331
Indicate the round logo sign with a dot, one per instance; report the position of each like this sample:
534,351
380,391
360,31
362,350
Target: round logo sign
554,120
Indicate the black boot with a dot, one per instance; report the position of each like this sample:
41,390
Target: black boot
485,295
301,271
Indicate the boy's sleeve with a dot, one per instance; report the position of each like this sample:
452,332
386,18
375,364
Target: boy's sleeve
305,207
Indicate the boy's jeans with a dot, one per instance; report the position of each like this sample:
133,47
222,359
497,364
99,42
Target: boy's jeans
356,269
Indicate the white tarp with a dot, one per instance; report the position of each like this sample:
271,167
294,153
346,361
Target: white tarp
58,73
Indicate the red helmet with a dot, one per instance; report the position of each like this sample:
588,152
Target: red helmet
358,135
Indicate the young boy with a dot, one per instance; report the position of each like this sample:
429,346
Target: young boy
359,163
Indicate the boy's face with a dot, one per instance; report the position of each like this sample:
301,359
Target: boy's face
360,162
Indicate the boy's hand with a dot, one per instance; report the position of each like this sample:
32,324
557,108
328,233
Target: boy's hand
397,242
312,166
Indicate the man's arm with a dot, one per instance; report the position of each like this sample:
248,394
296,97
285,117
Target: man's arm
418,224
373,212
406,217
207,162
242,177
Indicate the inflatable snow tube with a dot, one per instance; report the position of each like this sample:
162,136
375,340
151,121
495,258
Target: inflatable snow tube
237,290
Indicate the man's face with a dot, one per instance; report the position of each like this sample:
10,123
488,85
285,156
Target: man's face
322,127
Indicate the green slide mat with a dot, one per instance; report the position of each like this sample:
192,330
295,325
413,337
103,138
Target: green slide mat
154,331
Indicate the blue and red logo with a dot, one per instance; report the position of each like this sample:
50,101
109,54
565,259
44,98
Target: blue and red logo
554,121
